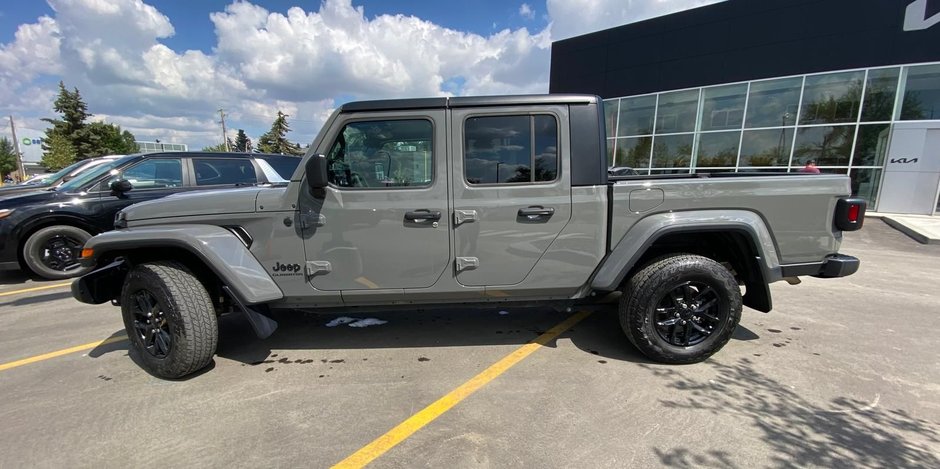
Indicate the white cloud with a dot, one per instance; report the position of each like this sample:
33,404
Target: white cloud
575,17
300,62
526,11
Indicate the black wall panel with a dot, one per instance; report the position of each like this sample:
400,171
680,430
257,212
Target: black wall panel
741,40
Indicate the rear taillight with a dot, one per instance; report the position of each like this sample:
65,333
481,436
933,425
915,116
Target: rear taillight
850,213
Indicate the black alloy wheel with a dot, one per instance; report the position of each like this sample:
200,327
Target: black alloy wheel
688,314
151,324
680,308
61,253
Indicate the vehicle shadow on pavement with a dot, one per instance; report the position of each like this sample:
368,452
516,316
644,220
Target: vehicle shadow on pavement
843,432
31,300
16,277
598,334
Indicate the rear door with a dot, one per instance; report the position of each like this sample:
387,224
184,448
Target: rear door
511,197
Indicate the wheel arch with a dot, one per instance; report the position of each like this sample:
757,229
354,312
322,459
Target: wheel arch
738,238
210,251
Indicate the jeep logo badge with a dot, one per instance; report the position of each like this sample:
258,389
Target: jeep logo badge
278,267
916,19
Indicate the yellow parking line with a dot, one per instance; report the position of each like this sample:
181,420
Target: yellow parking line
27,290
380,445
59,353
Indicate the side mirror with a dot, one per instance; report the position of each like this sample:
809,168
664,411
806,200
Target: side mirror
121,186
317,170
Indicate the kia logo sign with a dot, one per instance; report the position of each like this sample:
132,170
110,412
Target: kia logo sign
903,160
916,19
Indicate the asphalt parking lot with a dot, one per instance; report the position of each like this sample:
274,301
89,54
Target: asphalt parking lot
843,373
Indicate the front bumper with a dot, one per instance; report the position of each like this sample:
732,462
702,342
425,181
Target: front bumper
100,285
835,265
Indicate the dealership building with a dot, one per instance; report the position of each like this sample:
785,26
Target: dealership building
744,85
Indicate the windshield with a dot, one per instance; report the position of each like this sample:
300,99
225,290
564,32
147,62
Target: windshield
61,173
78,182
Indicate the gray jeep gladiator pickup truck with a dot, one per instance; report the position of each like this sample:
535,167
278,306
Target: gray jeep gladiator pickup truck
469,201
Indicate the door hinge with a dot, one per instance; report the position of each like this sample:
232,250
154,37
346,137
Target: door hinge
464,216
467,263
318,267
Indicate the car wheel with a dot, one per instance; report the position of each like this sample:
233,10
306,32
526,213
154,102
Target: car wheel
681,308
53,251
169,318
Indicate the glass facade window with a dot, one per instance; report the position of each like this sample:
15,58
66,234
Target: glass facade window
880,90
718,149
826,145
871,145
676,112
844,122
633,152
636,116
773,103
150,147
673,151
723,107
770,147
832,98
922,93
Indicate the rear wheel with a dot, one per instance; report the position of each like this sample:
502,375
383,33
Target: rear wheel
169,318
53,251
681,308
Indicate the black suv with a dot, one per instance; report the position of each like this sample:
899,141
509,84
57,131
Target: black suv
43,231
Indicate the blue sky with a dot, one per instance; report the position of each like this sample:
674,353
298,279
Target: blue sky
162,68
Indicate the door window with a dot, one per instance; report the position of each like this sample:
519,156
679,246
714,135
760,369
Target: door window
505,149
156,173
213,171
383,154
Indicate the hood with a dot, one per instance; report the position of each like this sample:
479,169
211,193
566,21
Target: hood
20,199
18,189
196,203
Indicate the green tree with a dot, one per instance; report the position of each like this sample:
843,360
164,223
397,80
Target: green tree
275,140
60,154
87,140
101,138
242,142
220,148
8,163
73,113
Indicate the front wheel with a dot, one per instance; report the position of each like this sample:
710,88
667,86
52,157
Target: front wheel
53,252
169,318
681,308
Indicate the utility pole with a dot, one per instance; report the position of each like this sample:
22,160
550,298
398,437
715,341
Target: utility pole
224,133
16,148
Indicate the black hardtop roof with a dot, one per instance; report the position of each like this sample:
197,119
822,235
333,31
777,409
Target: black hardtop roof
467,101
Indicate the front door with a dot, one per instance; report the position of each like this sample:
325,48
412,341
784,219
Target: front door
382,225
511,195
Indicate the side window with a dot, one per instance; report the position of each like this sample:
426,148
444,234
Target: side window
156,173
381,154
213,171
505,149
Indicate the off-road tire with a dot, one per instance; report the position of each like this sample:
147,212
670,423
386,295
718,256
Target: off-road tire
35,246
188,311
648,288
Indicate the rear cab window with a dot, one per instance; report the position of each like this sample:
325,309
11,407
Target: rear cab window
510,149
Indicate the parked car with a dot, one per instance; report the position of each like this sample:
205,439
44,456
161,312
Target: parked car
469,201
37,179
43,230
57,178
